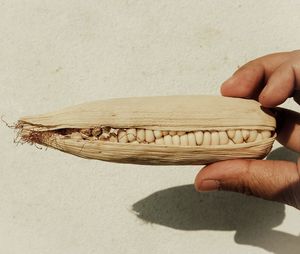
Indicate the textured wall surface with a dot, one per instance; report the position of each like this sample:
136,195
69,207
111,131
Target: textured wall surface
56,53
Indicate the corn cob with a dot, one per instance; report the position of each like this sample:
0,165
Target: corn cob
170,130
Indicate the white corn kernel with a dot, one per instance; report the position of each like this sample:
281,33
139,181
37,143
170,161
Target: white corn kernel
215,139
238,137
223,138
206,138
230,142
157,134
159,141
245,134
131,134
113,139
104,136
259,137
252,136
191,139
122,137
140,135
199,137
266,134
231,133
184,140
176,140
168,140
149,136
113,131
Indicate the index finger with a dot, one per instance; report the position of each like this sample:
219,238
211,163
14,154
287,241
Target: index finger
249,80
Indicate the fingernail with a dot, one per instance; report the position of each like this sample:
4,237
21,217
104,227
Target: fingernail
208,185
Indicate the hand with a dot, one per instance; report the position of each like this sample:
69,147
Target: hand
270,80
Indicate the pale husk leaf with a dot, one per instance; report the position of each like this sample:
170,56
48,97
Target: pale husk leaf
163,112
160,154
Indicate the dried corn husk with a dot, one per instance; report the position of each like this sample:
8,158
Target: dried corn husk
168,128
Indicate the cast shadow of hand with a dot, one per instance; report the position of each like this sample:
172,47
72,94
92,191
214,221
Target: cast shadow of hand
253,219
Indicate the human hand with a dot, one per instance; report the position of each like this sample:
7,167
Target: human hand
271,80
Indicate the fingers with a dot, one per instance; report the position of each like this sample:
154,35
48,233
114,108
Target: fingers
279,87
282,84
249,80
245,82
288,131
272,180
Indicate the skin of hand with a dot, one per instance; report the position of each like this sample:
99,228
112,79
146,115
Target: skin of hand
271,80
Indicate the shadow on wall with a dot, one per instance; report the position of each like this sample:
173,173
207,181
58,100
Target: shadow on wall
253,219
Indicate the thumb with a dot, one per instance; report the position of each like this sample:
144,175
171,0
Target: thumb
272,180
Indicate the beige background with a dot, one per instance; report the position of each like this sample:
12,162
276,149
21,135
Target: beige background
57,53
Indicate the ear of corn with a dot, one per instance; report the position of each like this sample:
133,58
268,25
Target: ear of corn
157,130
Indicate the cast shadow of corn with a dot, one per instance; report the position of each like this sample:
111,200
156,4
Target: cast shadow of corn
253,219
